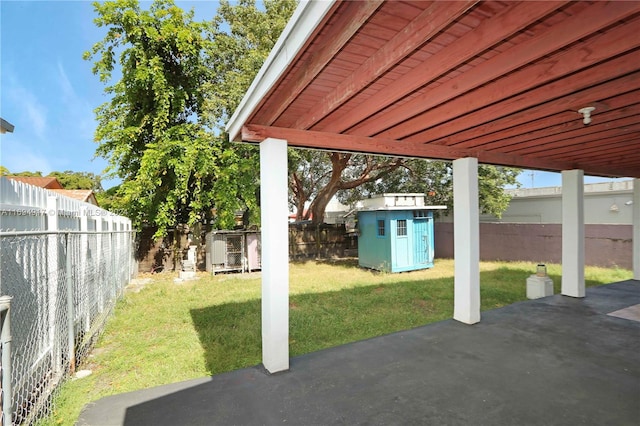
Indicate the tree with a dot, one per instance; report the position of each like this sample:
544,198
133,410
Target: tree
108,199
68,179
78,180
161,130
242,38
308,171
317,176
435,179
6,171
149,131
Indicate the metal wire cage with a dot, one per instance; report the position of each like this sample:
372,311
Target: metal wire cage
232,251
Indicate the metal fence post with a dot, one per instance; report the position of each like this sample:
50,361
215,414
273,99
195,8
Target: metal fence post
99,278
114,274
129,251
5,341
53,268
70,306
84,309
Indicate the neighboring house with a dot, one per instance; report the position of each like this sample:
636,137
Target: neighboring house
84,195
53,184
335,212
396,233
5,126
39,181
531,227
604,203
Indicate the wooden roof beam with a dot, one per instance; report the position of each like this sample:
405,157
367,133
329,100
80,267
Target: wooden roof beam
562,119
620,158
305,23
349,22
584,134
582,80
586,147
430,109
381,146
436,17
487,34
347,143
569,128
604,169
524,121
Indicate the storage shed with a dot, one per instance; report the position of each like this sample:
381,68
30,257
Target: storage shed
396,233
233,251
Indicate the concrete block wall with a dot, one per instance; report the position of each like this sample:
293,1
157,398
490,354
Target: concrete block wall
605,245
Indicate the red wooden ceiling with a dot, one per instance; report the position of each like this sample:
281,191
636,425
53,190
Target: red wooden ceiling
500,81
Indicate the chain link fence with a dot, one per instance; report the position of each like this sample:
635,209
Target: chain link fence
5,361
63,286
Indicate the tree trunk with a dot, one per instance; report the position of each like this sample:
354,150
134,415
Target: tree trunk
373,170
176,249
319,204
300,197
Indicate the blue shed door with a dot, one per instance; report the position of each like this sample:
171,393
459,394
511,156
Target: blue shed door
422,249
401,242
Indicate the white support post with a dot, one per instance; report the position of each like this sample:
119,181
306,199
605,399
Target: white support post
275,254
573,233
636,229
466,222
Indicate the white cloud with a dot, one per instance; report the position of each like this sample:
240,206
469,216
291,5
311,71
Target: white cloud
26,104
36,114
68,93
78,109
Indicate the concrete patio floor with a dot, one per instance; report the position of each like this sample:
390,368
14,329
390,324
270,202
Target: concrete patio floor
551,361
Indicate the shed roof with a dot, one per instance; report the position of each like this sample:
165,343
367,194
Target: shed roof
400,208
500,81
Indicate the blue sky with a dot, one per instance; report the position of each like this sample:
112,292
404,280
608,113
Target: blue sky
49,93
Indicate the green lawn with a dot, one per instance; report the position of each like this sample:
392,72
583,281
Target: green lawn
171,332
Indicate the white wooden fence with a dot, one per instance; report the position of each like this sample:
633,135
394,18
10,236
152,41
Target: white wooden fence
64,263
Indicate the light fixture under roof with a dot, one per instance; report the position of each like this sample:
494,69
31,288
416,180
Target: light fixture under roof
586,114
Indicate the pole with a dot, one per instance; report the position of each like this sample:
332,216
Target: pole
5,341
70,307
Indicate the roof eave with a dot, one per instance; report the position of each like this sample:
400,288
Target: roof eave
5,126
396,208
300,27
